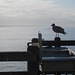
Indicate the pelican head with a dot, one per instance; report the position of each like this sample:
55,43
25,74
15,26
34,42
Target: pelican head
53,24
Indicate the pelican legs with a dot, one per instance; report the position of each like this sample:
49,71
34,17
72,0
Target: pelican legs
57,34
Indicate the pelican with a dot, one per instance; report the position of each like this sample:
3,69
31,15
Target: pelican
57,30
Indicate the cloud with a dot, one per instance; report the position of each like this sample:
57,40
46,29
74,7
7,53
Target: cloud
64,17
27,12
19,7
33,13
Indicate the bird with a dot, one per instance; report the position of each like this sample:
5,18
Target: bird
58,29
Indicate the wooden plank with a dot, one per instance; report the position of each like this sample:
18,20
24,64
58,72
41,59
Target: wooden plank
40,44
16,56
58,66
61,43
68,42
49,59
14,73
47,43
19,73
63,73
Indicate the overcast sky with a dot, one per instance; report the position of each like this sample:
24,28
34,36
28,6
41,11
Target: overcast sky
37,13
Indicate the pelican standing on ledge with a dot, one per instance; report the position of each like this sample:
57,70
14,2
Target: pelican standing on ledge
57,30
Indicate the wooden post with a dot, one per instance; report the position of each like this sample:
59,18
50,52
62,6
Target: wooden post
33,65
40,44
57,41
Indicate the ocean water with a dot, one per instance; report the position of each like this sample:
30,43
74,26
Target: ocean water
16,39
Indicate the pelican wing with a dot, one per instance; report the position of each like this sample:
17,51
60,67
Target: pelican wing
58,29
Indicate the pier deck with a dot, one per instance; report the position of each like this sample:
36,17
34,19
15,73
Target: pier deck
48,54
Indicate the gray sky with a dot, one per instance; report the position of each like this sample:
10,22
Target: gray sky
37,13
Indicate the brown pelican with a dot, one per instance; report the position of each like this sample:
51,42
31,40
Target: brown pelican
57,30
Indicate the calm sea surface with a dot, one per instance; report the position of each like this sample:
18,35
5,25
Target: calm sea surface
16,39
